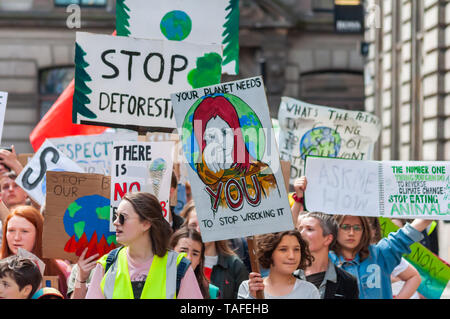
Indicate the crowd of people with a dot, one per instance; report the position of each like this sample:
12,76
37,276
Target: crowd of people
324,257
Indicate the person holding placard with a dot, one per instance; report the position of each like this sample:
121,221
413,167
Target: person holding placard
223,267
23,229
188,240
283,253
143,267
320,231
9,160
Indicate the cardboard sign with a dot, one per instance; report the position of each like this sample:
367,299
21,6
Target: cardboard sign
307,129
3,100
24,158
393,189
195,21
51,281
92,152
232,160
141,167
77,216
126,82
47,158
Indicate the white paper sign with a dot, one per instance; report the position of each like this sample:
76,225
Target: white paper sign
141,166
126,82
393,189
3,100
48,158
195,21
92,152
308,129
232,160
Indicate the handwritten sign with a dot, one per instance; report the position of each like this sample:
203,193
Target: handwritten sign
308,129
3,100
141,166
126,82
233,162
199,21
393,189
92,152
48,158
435,272
77,215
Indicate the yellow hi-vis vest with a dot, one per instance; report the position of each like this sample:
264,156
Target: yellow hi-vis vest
160,282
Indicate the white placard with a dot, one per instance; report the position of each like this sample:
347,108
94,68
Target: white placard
47,158
3,101
92,152
141,166
232,160
393,189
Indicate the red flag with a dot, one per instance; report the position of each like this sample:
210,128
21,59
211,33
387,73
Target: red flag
57,122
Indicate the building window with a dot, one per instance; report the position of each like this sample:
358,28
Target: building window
83,3
52,83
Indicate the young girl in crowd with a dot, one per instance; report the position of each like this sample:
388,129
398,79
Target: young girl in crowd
144,267
189,241
283,253
23,229
223,267
20,278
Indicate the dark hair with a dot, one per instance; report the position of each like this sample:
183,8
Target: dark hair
327,223
267,243
363,247
185,232
148,208
174,180
23,271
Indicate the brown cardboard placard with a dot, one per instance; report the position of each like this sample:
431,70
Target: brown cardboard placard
77,215
51,281
286,170
24,157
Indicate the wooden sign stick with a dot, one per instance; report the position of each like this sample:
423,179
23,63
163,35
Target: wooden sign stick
254,263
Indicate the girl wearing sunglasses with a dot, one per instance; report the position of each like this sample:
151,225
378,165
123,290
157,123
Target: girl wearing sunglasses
144,268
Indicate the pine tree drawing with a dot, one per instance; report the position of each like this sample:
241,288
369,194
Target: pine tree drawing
122,17
231,34
80,98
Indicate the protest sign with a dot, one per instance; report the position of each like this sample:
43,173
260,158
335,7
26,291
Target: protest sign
3,100
48,158
126,82
435,272
232,160
308,129
92,152
24,158
77,215
141,166
195,21
393,189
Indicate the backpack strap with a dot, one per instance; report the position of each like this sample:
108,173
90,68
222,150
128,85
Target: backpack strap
181,271
112,256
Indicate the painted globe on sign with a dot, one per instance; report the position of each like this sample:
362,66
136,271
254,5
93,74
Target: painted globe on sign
86,215
176,25
320,141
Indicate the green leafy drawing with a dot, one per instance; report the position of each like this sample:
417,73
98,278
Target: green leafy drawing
231,34
122,17
80,98
208,71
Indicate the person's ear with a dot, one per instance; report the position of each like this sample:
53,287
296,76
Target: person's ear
26,291
329,240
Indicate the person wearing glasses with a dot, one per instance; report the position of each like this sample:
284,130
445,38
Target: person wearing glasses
144,267
371,264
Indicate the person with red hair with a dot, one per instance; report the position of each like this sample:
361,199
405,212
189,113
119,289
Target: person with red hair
23,228
225,157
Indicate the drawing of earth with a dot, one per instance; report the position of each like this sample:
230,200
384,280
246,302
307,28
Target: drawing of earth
88,214
176,25
320,141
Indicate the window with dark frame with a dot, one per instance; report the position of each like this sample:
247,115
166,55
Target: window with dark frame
52,83
82,3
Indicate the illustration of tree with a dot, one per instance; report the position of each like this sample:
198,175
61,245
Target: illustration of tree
122,17
231,34
208,71
80,98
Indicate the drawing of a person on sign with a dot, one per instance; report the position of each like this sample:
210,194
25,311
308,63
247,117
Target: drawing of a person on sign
224,142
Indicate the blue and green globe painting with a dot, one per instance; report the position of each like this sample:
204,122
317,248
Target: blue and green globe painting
86,221
320,141
176,25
